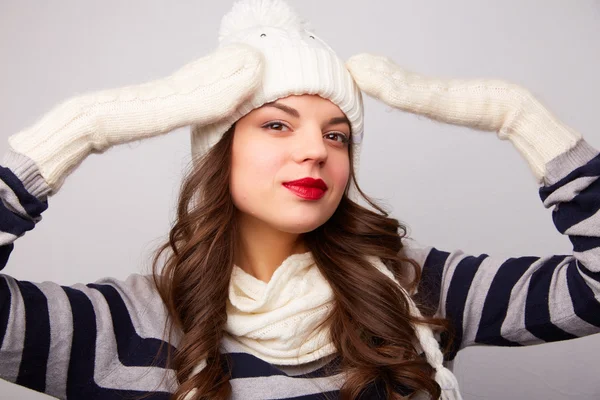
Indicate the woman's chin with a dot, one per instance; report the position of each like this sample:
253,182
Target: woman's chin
299,226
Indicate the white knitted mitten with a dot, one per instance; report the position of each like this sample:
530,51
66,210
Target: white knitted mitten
202,92
489,105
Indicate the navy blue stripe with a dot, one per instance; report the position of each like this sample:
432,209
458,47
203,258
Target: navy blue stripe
591,168
584,301
497,300
378,390
537,310
13,223
80,378
5,301
5,251
329,369
34,359
583,206
31,204
402,389
585,270
134,351
430,285
248,366
245,365
584,243
456,299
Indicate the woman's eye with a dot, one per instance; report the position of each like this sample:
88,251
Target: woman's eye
278,126
338,137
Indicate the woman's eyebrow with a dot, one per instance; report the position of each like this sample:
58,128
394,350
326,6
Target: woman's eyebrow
293,112
339,120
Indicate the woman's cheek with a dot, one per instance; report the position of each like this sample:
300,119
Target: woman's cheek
341,171
268,161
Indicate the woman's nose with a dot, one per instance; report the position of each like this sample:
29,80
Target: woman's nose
310,146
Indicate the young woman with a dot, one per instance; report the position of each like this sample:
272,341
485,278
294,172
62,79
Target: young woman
276,283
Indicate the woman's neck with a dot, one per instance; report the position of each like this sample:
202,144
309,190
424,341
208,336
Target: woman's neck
261,248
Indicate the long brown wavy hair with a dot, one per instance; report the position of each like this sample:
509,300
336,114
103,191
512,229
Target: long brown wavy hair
370,323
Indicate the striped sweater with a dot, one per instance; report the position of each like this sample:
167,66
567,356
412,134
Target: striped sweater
103,340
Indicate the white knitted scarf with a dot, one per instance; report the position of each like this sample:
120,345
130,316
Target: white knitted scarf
277,321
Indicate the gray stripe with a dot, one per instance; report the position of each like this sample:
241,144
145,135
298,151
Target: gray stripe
416,251
297,370
476,298
587,227
559,305
144,379
590,260
571,159
27,171
449,268
11,201
14,339
144,305
6,238
109,372
567,192
562,313
148,315
279,386
513,327
61,338
229,345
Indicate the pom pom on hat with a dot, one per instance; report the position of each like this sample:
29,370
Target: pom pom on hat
296,62
251,14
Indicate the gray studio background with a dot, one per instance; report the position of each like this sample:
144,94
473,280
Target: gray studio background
454,188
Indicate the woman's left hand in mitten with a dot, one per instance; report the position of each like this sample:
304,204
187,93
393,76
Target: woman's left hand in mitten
489,105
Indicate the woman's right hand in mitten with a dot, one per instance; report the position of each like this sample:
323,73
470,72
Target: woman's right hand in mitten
200,93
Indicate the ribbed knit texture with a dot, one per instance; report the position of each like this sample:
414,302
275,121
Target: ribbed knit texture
277,321
297,62
489,105
201,92
294,68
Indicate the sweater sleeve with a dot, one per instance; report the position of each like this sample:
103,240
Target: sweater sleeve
100,340
24,197
531,299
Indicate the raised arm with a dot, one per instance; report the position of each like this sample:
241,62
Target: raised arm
530,299
520,300
101,340
21,208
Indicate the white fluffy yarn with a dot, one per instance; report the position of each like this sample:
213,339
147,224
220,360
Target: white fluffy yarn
248,14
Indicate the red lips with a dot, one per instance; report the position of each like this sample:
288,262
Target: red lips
307,188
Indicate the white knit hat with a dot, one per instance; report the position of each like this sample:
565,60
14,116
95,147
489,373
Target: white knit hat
297,62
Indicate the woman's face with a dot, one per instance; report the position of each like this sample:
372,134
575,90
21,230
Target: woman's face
281,142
